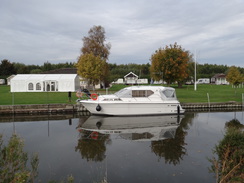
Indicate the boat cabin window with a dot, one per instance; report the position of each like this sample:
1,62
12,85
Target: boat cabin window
169,93
141,93
124,93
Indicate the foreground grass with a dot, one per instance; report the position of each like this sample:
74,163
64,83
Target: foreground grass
187,94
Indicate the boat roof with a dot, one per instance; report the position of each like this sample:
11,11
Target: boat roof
148,87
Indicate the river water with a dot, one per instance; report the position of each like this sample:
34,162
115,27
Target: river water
123,149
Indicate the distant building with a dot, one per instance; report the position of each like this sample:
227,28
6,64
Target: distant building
2,81
9,79
219,79
45,82
131,79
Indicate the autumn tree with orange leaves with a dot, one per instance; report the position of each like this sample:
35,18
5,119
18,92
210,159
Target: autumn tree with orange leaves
170,64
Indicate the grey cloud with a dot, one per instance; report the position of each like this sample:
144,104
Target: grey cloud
52,30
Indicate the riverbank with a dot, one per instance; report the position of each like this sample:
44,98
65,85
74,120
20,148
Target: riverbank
74,108
42,109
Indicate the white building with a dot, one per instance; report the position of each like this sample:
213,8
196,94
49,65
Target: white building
219,79
131,79
9,79
2,81
45,82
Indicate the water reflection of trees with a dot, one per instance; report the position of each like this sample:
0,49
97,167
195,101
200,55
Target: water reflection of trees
92,145
173,150
228,166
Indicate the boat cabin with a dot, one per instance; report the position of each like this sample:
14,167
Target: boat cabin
166,93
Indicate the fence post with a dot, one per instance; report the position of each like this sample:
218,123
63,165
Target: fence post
208,100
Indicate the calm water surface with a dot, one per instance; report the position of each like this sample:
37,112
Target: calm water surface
124,149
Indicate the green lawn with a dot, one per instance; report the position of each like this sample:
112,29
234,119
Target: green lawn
8,98
217,93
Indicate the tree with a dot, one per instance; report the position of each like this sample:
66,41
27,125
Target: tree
91,67
170,64
92,63
6,68
13,162
21,68
234,76
47,66
95,43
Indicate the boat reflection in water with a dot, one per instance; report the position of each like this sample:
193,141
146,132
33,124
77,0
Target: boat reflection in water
164,133
137,128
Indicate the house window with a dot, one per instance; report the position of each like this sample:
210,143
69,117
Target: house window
30,86
38,86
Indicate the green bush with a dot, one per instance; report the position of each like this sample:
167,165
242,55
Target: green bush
13,162
229,164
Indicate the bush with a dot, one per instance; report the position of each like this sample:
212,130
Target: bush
229,165
13,162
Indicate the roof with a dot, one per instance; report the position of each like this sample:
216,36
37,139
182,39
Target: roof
43,77
13,75
219,75
62,71
131,74
148,87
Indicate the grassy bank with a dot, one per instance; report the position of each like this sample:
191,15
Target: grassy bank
8,98
217,93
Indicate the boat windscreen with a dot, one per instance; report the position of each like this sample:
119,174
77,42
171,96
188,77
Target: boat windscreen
169,93
124,93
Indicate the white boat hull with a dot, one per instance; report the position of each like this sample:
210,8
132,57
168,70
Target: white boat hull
128,109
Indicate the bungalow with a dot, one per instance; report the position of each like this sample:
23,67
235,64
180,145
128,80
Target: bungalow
219,79
130,79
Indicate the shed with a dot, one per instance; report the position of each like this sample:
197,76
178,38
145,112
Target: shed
44,82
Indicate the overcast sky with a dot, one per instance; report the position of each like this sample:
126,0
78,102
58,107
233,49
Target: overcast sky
36,31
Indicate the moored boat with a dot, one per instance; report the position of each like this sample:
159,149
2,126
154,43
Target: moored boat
135,100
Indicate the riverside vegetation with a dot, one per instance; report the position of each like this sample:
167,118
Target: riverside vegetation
14,161
228,166
186,94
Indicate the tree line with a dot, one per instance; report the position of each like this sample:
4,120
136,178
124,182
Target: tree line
8,68
116,71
